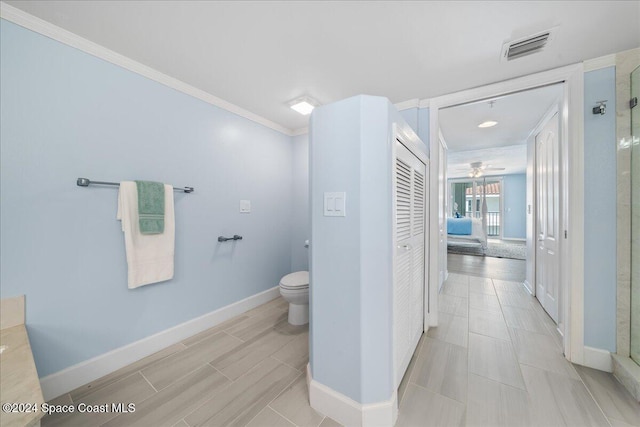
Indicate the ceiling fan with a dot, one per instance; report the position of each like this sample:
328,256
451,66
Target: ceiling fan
477,169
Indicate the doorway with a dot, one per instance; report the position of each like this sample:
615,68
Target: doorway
570,218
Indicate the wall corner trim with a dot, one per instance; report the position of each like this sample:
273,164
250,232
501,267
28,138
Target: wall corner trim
348,412
84,372
597,359
33,23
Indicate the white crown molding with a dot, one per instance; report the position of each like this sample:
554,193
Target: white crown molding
405,105
347,411
30,22
68,379
425,103
598,63
300,131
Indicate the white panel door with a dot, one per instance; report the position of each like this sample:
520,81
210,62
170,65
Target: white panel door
409,256
548,217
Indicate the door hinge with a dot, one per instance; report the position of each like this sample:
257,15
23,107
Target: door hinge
633,102
565,234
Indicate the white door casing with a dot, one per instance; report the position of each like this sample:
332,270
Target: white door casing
571,253
409,256
547,275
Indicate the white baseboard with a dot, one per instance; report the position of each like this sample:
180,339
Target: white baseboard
528,286
514,239
82,373
598,359
347,411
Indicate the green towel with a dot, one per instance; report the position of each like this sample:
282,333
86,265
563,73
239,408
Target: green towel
151,207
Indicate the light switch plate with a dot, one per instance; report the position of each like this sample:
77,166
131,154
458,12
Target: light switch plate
245,206
335,204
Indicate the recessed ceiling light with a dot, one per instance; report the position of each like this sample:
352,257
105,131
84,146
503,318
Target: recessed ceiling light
303,105
487,124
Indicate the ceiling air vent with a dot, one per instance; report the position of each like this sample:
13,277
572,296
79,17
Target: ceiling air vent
525,46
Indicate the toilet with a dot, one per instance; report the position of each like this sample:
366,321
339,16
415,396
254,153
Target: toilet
294,288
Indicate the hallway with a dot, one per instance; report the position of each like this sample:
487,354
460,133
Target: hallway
496,360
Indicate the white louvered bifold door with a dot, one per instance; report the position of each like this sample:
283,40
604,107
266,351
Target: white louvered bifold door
409,262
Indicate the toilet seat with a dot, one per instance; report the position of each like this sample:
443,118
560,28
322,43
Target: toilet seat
294,281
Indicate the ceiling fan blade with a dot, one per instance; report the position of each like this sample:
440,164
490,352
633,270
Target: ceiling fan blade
494,169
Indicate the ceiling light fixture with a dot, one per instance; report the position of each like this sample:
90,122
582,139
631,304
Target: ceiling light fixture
487,124
303,105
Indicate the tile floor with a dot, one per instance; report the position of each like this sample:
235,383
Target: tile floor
495,360
248,371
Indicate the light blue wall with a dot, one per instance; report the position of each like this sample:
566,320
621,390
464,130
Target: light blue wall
515,206
411,116
351,257
423,127
600,211
300,207
418,119
66,114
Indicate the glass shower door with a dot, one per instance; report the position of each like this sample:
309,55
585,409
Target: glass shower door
635,218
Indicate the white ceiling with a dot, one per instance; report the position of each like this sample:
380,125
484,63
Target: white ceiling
503,145
517,115
261,54
512,158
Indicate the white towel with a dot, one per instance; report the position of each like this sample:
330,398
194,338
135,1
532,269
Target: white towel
149,256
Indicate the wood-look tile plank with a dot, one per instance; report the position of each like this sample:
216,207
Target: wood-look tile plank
105,381
168,370
458,278
450,304
618,423
246,397
457,289
552,394
484,302
402,388
132,389
616,402
491,403
494,359
234,321
238,360
523,318
257,324
295,353
181,423
488,323
547,321
276,304
54,418
422,407
329,422
269,418
293,403
515,299
544,411
176,401
452,329
510,286
483,266
540,351
481,285
442,368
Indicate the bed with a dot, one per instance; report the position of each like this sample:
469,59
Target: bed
465,231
